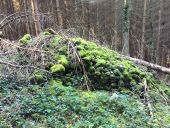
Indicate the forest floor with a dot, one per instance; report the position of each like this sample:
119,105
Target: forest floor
56,82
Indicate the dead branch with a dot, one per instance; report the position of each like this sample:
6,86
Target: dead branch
17,46
146,98
149,65
3,23
6,53
50,30
23,66
81,63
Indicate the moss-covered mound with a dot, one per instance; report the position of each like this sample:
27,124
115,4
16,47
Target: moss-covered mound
74,83
84,64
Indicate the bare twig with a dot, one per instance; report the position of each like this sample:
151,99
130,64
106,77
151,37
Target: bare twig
22,66
82,64
6,53
23,48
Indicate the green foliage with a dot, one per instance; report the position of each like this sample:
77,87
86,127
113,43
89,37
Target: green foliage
62,59
57,68
105,67
46,33
37,77
26,39
55,105
115,102
55,41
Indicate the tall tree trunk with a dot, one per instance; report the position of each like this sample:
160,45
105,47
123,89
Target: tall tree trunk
125,50
97,17
35,16
159,34
143,31
27,19
115,26
65,14
88,20
59,15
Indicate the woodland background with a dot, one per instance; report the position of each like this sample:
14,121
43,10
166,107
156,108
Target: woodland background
139,28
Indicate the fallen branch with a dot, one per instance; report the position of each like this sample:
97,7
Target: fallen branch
6,53
17,46
22,66
146,98
149,65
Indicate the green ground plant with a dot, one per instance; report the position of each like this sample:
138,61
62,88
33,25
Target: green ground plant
82,85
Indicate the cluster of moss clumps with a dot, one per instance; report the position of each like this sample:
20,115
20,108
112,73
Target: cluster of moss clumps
104,68
53,98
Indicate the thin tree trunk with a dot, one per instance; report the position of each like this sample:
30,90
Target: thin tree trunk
115,26
65,14
36,17
143,31
88,20
97,13
27,19
59,15
125,50
159,34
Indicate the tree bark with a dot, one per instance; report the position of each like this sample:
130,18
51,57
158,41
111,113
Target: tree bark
159,34
35,16
59,15
143,31
149,65
125,50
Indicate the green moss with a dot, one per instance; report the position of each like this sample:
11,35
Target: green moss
46,33
57,68
100,62
103,66
48,65
26,39
82,53
62,59
38,76
55,41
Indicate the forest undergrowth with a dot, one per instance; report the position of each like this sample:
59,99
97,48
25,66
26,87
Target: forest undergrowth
54,81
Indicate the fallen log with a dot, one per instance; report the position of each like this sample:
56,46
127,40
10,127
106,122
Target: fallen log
149,65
